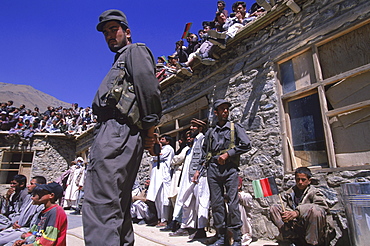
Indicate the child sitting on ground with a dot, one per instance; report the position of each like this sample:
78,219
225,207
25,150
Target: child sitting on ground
50,227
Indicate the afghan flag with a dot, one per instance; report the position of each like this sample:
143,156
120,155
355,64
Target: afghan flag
186,31
265,187
165,59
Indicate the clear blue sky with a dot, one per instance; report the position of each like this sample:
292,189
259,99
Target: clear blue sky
53,45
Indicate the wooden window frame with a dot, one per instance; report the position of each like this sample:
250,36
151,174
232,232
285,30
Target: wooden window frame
319,88
23,167
174,117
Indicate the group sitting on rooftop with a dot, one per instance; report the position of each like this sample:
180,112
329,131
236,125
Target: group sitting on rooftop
24,123
202,47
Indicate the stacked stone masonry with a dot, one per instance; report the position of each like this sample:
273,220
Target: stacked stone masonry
52,154
246,76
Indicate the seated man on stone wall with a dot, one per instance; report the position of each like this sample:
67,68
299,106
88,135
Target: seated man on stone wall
241,18
302,219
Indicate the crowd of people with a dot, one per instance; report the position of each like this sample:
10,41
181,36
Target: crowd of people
30,215
202,46
201,178
186,186
26,216
23,123
182,191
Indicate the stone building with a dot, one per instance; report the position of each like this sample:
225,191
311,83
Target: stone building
298,79
49,155
299,84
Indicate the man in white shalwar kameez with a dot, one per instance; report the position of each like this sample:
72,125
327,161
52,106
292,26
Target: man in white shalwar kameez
76,176
196,205
245,207
160,180
140,211
175,191
177,165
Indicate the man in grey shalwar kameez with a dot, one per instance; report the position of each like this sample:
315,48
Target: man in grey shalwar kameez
28,213
118,144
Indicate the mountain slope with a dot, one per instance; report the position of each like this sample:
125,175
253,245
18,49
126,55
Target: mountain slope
29,96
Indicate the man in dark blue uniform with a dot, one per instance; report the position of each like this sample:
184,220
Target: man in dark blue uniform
128,107
223,145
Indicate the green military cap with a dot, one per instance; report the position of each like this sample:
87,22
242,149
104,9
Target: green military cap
109,15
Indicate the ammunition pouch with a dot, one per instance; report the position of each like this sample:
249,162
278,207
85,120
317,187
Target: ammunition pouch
122,97
213,156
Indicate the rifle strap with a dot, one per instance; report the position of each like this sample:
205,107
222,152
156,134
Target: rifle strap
231,145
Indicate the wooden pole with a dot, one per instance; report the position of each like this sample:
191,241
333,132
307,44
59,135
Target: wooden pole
281,201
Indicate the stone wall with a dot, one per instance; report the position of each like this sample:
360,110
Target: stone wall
52,154
245,75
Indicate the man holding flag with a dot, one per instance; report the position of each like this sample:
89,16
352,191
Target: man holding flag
223,145
302,217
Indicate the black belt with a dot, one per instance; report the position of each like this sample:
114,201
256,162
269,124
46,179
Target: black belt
112,114
228,162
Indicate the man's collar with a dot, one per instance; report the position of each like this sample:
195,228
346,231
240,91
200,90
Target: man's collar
295,189
227,125
199,135
120,51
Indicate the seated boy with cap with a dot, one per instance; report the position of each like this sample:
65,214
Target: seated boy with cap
50,228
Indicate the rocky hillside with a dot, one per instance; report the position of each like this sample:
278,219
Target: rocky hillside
29,96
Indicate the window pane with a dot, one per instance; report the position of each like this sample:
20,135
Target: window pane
346,52
167,127
349,91
6,177
298,72
16,157
287,76
351,133
27,157
307,131
186,121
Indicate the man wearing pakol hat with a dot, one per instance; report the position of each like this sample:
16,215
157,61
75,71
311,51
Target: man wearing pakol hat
193,198
127,105
223,145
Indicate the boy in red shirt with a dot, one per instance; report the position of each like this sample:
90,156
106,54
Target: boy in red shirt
50,228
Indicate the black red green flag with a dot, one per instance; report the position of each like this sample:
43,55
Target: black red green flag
265,187
186,31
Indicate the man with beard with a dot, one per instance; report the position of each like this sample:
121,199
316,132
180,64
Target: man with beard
127,105
195,206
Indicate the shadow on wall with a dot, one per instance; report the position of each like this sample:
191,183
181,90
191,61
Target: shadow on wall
254,98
